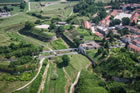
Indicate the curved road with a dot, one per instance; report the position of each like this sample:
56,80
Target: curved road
41,62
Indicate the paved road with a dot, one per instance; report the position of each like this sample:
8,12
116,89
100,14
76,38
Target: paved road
29,6
75,82
41,62
56,55
61,50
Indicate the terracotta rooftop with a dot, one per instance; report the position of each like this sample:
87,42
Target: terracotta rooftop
134,47
134,17
106,20
109,6
98,34
133,28
136,42
87,25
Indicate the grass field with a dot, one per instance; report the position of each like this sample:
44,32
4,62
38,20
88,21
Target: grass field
61,10
76,65
58,44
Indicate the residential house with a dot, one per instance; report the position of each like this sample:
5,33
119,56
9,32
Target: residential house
134,17
87,25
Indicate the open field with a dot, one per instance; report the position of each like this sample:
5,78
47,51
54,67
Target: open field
61,10
13,20
58,44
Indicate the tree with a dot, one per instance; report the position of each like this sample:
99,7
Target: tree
115,22
77,41
29,25
125,21
96,20
133,23
105,53
37,22
102,14
60,29
106,45
126,46
100,50
110,33
65,60
52,26
111,18
22,5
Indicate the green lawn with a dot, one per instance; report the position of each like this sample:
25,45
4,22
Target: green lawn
61,10
77,63
20,18
58,44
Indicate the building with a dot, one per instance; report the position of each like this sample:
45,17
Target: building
99,34
87,25
134,48
133,30
136,42
130,38
134,17
92,29
62,23
88,45
105,22
122,15
102,30
108,7
5,14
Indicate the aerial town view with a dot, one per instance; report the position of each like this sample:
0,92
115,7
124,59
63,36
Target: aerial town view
69,46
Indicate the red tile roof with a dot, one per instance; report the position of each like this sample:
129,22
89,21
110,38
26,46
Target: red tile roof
106,20
98,34
134,17
134,47
136,42
109,6
133,29
87,25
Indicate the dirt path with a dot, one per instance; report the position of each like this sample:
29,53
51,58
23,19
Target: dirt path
75,82
88,66
43,79
68,80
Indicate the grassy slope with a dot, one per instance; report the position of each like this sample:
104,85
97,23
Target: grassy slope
55,86
58,44
75,65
